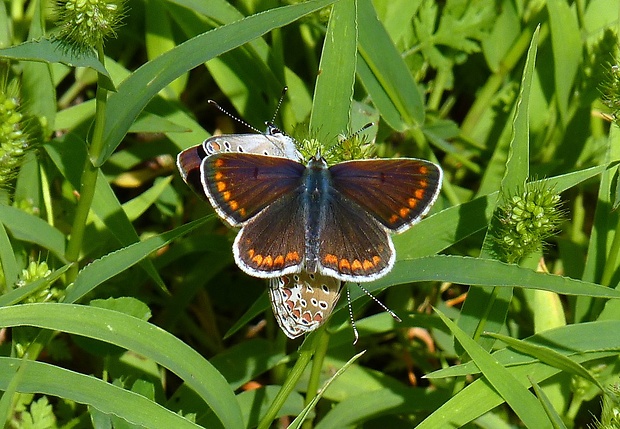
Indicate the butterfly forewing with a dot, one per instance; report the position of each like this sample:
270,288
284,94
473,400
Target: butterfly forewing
273,143
396,192
241,185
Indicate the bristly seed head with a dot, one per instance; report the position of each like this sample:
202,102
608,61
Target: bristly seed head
84,24
13,140
524,221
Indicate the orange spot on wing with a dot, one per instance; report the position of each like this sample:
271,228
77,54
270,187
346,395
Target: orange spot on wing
279,261
404,212
356,265
368,265
393,219
330,260
218,176
419,194
267,262
219,162
376,260
412,202
423,170
233,204
221,186
292,257
257,259
344,266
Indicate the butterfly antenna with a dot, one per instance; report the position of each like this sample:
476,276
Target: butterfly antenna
273,119
357,336
398,319
230,115
358,132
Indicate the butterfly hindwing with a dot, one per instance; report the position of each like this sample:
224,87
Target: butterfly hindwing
353,245
273,143
188,163
241,185
302,302
272,243
396,192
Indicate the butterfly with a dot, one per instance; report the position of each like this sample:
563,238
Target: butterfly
332,221
303,301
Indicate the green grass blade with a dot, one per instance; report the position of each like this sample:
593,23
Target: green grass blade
53,51
7,259
296,424
480,397
137,90
550,357
571,340
33,229
556,420
137,335
385,74
481,307
38,377
485,272
114,263
333,93
514,393
567,49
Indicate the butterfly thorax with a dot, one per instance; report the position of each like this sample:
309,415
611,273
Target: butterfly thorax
317,181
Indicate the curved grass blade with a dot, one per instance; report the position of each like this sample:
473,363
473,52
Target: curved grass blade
137,335
38,377
138,89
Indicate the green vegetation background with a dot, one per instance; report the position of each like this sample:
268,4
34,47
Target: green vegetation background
144,321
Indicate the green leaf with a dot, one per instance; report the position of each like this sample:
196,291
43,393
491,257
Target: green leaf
385,75
362,406
21,293
54,51
484,272
137,206
38,377
26,227
69,156
480,397
512,391
570,340
296,424
550,357
8,263
138,89
114,263
333,93
555,419
567,48
242,362
133,334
